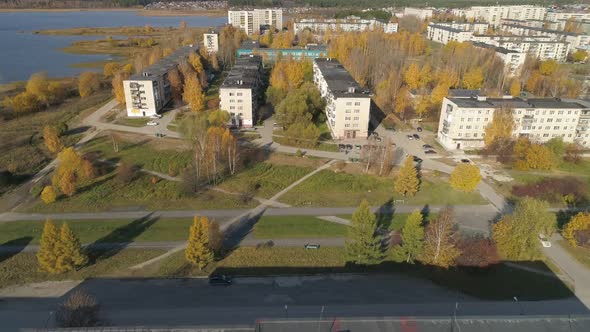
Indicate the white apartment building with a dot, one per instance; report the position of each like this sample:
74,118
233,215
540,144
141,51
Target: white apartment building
494,14
348,105
421,13
513,60
575,39
555,16
476,28
348,24
211,41
444,34
146,93
463,120
250,21
240,91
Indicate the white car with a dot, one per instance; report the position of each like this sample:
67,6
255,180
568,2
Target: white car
152,123
156,116
544,240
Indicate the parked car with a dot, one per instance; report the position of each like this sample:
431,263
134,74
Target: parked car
358,147
418,160
410,136
544,240
341,146
220,280
466,161
430,152
156,116
416,136
427,146
151,123
378,139
419,129
311,246
390,129
348,146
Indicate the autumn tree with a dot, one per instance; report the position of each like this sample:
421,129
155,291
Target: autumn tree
548,67
465,177
88,83
193,93
363,245
412,76
51,139
473,79
218,118
406,181
516,235
440,248
515,88
47,254
118,89
110,69
402,102
412,235
23,102
48,195
579,223
70,254
38,85
477,251
216,238
198,251
579,55
175,80
501,127
530,155
440,91
72,168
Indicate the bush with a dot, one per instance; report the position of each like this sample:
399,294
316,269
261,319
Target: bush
477,252
570,190
79,310
126,173
36,189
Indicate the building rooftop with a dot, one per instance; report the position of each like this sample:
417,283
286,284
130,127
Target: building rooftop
493,47
447,28
245,73
464,93
164,65
339,81
543,30
483,102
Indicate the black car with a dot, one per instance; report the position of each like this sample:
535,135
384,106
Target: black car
466,161
341,146
427,146
348,146
430,152
221,280
416,136
418,160
419,129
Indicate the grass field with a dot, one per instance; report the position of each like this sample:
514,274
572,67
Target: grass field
394,222
282,227
131,122
106,194
264,179
145,153
149,229
22,268
327,188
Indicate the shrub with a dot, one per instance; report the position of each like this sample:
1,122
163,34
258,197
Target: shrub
79,310
48,195
36,189
554,190
126,172
477,252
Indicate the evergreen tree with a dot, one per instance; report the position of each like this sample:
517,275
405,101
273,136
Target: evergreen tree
406,181
364,245
70,255
412,238
47,254
198,251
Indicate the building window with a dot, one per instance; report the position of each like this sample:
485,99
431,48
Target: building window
231,94
357,111
347,125
549,120
357,103
560,113
348,103
545,135
347,111
232,107
347,118
232,100
239,94
356,118
240,107
556,128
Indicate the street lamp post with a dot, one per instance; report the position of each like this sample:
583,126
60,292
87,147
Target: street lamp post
521,312
286,311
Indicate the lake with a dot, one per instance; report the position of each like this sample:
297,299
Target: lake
23,53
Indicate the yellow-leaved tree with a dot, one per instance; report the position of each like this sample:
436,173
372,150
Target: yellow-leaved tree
193,93
110,69
473,78
515,88
118,90
51,139
48,195
465,177
70,255
197,250
580,222
412,76
406,181
439,241
501,127
88,83
47,253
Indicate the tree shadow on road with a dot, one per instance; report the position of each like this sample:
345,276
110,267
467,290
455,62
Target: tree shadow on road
12,248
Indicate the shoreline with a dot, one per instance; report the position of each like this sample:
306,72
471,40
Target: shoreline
139,11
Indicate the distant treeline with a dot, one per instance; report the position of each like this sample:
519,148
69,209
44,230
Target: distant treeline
369,14
64,4
393,3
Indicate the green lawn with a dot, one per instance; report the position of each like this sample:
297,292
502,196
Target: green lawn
282,227
327,188
132,122
106,193
119,230
394,222
142,154
22,268
264,179
583,168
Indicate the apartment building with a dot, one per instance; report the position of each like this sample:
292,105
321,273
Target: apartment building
513,60
575,39
250,21
541,47
421,13
348,24
211,41
463,120
272,54
240,91
495,14
146,93
348,105
444,34
555,16
475,27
